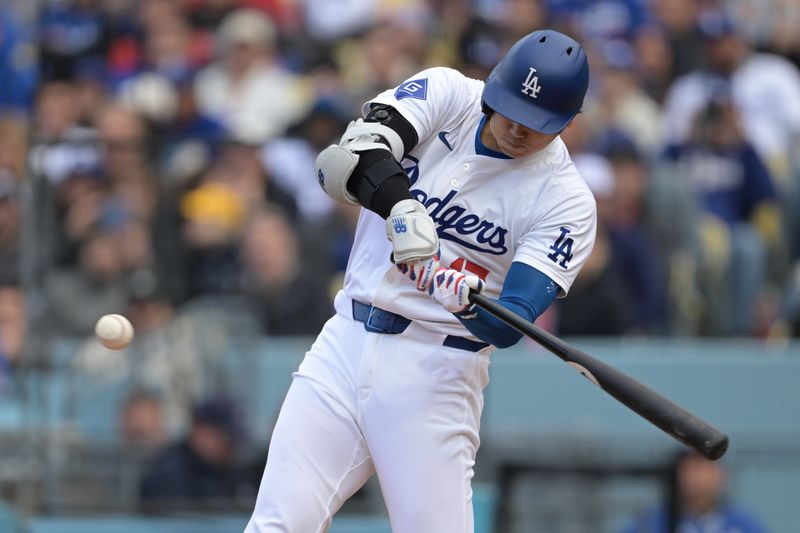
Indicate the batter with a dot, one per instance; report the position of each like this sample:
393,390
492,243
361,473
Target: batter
475,190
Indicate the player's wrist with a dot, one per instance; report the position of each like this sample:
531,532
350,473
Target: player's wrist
469,313
407,205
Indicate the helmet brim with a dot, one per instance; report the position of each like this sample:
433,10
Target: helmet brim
526,112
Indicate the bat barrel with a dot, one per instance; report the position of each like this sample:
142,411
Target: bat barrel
658,410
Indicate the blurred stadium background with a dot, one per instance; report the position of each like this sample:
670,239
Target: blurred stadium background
156,160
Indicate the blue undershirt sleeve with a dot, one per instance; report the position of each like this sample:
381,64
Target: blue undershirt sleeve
527,292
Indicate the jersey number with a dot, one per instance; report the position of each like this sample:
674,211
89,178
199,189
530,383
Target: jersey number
462,265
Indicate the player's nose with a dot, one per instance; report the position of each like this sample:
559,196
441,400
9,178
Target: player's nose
517,130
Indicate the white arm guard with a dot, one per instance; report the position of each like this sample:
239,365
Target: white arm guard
359,134
335,163
412,232
334,166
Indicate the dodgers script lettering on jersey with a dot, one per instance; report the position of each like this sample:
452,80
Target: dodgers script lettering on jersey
453,222
489,210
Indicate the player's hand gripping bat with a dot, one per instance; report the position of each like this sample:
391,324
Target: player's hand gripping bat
674,420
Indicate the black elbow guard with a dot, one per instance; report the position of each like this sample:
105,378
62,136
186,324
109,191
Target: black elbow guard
379,181
388,116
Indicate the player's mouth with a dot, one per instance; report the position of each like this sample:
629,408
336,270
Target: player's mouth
516,147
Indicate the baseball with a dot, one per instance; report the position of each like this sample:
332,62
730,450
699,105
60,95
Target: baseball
115,332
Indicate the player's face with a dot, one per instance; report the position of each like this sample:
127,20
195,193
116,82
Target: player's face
512,138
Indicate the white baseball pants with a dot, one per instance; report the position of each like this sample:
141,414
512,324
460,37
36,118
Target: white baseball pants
402,406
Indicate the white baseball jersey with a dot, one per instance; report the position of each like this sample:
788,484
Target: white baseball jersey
489,209
407,406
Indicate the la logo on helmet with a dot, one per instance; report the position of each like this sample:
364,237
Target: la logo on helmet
531,84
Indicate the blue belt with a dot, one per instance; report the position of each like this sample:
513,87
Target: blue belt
378,320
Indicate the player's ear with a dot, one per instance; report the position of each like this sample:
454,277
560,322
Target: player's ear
568,124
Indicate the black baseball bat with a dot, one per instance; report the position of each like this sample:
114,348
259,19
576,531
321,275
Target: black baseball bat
661,412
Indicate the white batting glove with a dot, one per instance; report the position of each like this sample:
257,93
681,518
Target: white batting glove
421,272
451,289
412,232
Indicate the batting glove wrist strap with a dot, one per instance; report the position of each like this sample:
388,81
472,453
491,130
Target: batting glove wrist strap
469,313
411,232
421,272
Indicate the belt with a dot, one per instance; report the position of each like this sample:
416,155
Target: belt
379,320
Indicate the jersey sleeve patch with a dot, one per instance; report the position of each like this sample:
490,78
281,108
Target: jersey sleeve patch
413,89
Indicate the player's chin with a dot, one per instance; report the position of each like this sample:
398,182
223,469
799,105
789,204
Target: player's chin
517,150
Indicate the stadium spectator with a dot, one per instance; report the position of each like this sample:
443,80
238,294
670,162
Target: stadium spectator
598,305
123,135
702,505
72,38
325,227
620,103
379,58
176,354
14,144
10,229
62,145
603,306
736,217
290,158
78,295
329,22
654,61
170,47
201,470
246,88
13,327
604,19
141,422
619,177
18,63
771,25
765,88
519,16
286,296
636,255
678,18
188,139
240,166
213,215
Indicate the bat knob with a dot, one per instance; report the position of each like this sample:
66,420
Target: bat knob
715,448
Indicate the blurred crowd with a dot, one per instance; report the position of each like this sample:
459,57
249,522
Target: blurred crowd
156,159
167,147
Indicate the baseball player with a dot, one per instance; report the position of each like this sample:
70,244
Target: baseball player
475,191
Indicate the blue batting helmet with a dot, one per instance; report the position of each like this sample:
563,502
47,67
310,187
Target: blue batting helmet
540,83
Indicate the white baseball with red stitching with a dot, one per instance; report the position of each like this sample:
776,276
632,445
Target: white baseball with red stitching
115,332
